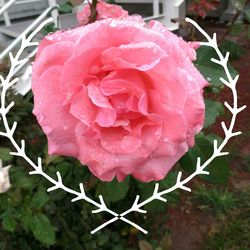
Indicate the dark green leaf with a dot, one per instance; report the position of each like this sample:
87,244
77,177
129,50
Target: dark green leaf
114,190
9,222
213,110
65,8
63,168
235,49
218,168
42,229
237,29
146,190
50,28
211,71
24,182
39,199
26,217
102,239
211,137
5,154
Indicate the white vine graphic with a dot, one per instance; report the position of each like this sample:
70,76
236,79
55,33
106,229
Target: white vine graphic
8,82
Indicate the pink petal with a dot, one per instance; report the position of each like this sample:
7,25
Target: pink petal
77,70
47,94
82,108
156,168
106,114
116,140
55,54
141,56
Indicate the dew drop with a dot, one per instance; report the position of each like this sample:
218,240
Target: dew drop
47,130
113,24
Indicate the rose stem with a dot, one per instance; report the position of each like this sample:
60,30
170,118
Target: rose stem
93,10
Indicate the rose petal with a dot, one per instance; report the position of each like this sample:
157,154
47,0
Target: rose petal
106,114
47,94
156,168
55,54
117,140
141,56
82,108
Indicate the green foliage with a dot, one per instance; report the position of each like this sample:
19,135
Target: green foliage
8,222
233,233
5,154
237,28
235,49
42,229
49,28
213,110
218,168
65,8
210,70
115,190
218,201
39,199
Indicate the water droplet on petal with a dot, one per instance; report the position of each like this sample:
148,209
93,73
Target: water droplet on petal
113,24
47,130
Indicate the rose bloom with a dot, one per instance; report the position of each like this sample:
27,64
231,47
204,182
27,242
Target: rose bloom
4,178
104,11
121,96
201,7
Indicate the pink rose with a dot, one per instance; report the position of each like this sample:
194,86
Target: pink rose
121,96
104,10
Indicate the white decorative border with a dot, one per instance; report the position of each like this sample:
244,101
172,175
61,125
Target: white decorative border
101,206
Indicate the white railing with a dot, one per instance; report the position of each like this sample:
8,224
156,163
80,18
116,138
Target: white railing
172,9
25,32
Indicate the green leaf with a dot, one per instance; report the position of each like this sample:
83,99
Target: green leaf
218,168
146,190
9,222
102,239
50,28
210,70
42,229
5,154
247,13
24,182
26,217
211,137
65,8
235,49
39,199
114,190
237,28
213,110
